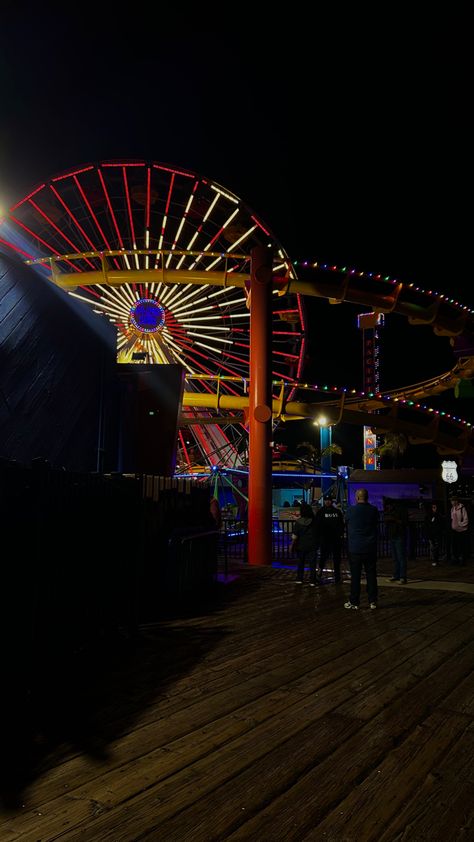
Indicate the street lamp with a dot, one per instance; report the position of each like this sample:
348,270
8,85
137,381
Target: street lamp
325,441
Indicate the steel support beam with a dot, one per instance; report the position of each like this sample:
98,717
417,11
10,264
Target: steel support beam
260,409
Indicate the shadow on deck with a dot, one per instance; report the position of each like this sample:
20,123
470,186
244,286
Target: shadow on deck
276,715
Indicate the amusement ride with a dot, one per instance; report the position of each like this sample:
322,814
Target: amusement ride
166,256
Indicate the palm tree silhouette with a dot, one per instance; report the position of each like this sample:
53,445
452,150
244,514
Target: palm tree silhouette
314,454
393,447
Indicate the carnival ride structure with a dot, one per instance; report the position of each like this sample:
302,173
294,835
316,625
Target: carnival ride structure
178,233
164,254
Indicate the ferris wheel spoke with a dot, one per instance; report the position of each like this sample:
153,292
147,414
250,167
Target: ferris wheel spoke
141,209
182,222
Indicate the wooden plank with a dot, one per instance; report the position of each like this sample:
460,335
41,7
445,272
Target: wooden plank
405,675
379,798
113,787
197,748
226,800
443,806
192,782
308,683
296,812
217,815
461,700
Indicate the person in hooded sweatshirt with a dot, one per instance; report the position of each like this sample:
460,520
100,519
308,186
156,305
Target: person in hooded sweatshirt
459,531
329,531
304,544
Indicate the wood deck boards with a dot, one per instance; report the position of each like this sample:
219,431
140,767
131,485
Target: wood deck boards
275,716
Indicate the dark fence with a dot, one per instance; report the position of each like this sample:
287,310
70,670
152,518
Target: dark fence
88,555
181,540
233,541
190,562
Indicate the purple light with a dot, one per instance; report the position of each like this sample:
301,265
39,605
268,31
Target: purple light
147,316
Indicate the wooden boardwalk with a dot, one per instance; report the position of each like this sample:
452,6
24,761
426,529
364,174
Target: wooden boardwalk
275,715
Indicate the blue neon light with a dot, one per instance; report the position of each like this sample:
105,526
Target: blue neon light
147,315
286,474
245,473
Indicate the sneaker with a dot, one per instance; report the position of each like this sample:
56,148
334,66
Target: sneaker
350,606
403,581
373,606
392,579
434,563
298,582
312,584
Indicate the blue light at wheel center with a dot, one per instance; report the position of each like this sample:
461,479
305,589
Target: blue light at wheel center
147,315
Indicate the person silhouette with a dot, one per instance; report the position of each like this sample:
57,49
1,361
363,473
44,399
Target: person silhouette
304,544
362,531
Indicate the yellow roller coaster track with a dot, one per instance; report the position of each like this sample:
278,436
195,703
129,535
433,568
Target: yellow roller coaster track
445,317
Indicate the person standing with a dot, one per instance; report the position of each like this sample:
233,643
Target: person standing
459,531
304,544
329,532
396,518
434,529
362,528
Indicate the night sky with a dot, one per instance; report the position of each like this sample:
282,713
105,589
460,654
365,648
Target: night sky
353,149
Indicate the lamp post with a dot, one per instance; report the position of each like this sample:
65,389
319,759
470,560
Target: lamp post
325,442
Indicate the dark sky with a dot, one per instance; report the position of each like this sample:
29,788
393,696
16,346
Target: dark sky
353,153
353,146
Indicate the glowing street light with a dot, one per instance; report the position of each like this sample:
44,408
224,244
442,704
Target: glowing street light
321,421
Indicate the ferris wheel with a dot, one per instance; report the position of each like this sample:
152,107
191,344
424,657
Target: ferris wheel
150,218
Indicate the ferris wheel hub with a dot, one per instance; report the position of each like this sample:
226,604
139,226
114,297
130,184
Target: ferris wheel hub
147,316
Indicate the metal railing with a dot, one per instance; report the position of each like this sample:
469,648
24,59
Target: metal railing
233,541
191,563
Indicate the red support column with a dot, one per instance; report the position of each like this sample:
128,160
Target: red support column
260,408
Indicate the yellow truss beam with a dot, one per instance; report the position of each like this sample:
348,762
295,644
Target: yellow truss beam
297,411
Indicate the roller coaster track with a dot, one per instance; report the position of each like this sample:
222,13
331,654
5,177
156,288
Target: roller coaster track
420,307
420,424
463,370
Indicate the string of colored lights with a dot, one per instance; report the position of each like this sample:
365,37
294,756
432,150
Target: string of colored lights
100,206
105,201
355,393
197,327
344,270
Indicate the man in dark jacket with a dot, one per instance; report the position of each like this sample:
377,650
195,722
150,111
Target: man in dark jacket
329,532
434,529
396,520
362,527
304,544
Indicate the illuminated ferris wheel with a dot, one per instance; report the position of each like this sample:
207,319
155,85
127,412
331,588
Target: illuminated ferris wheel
147,219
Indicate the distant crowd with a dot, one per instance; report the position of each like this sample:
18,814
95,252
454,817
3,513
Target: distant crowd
318,537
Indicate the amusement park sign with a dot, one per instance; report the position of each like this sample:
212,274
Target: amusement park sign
449,471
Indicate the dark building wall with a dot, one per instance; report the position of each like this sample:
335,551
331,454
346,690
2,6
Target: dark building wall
150,402
57,362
